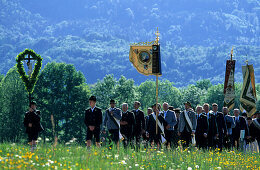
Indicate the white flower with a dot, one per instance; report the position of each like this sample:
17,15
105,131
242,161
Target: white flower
47,139
136,164
130,167
50,161
218,167
116,156
197,166
123,162
189,168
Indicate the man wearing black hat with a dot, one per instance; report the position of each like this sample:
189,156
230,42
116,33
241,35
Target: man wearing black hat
93,121
112,119
187,124
32,123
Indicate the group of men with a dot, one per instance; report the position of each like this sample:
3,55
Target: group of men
204,128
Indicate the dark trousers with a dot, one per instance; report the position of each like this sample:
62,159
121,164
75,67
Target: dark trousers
201,141
210,141
176,138
137,136
186,137
236,140
227,142
113,136
169,137
219,142
127,140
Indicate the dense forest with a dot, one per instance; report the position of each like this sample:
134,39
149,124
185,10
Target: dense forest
61,90
196,36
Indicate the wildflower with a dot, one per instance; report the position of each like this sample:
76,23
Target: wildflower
123,162
136,165
197,166
189,168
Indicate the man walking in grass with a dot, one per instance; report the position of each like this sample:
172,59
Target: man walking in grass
93,121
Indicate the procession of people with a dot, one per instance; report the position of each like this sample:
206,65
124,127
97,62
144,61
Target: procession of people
162,127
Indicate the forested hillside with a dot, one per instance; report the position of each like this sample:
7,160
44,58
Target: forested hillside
196,36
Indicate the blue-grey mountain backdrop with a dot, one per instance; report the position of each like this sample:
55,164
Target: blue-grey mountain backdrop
94,35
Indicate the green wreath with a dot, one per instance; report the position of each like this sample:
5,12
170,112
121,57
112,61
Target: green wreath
29,82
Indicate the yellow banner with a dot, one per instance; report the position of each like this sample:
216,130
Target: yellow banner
141,58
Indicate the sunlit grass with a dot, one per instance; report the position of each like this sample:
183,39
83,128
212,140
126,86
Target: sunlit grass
18,156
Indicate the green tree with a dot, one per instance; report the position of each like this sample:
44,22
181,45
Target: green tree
168,93
215,95
1,77
203,84
192,94
104,90
61,91
147,93
14,104
125,91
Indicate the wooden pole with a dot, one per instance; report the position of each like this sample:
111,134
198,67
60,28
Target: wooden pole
157,104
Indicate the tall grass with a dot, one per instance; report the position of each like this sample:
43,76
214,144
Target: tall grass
18,156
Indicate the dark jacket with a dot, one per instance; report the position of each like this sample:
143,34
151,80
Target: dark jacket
93,118
139,121
151,125
221,124
130,119
213,128
202,125
34,118
240,125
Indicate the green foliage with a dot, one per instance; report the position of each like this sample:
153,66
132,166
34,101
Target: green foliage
215,95
61,91
13,102
192,94
104,90
125,91
29,81
203,84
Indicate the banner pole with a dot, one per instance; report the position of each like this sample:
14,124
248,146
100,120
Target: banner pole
157,104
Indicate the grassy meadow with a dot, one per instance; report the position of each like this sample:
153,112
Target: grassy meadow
74,156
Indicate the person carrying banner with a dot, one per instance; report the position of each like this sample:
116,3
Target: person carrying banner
151,127
187,125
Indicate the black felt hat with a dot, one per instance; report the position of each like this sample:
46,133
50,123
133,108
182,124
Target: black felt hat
93,98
